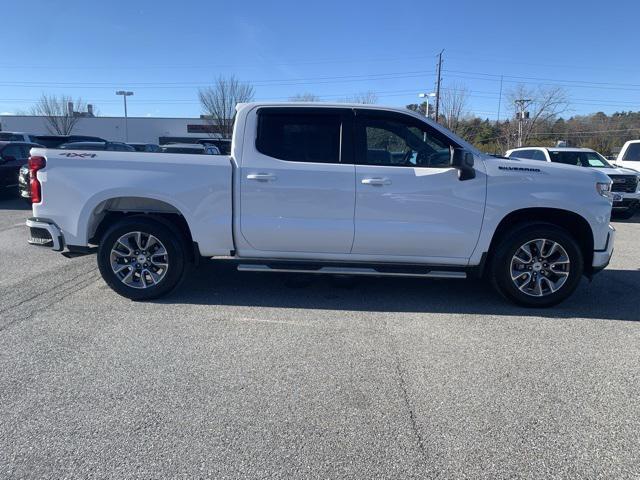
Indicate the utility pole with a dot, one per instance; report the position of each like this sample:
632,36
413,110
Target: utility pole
438,85
521,115
500,99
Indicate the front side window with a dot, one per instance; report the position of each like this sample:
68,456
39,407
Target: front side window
633,153
299,137
526,154
395,141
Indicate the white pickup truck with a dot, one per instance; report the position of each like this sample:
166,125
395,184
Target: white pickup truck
327,188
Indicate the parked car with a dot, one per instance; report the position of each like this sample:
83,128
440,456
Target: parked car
625,188
191,148
54,141
629,156
24,187
330,189
17,137
145,147
223,144
110,146
12,156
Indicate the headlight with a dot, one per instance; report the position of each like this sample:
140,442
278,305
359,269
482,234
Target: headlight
604,189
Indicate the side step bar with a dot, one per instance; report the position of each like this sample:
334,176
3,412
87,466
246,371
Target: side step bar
378,272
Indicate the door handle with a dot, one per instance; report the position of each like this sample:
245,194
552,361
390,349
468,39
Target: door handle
375,181
261,177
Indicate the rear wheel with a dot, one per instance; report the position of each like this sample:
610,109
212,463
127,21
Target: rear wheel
537,266
141,258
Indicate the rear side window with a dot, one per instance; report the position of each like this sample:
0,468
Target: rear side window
299,137
538,155
633,153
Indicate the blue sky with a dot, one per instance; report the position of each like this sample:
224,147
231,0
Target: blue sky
164,50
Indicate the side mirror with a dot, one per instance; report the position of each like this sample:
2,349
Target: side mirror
462,160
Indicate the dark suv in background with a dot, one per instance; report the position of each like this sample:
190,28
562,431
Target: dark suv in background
12,156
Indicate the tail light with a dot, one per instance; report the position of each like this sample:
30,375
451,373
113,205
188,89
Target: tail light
35,164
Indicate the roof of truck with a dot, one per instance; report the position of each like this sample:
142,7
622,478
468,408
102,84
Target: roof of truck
556,149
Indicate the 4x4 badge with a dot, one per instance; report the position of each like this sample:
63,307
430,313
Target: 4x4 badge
79,155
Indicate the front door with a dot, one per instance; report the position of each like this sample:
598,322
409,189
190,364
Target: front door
297,181
409,201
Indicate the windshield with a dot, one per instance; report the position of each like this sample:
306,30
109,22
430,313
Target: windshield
580,159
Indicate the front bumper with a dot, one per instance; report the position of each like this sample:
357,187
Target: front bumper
601,258
628,201
46,233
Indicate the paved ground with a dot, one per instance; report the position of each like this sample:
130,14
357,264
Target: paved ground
253,376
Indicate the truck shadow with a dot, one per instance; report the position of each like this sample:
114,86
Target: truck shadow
613,294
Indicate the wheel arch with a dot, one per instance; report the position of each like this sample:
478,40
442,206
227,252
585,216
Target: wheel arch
576,225
110,210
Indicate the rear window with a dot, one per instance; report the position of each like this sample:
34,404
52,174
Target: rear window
633,153
299,137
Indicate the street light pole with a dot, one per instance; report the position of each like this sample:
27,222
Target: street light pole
426,97
125,94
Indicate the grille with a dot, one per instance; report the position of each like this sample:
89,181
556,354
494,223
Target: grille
624,183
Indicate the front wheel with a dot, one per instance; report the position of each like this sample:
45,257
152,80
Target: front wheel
537,266
141,258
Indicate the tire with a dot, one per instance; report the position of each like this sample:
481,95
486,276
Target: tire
146,274
529,282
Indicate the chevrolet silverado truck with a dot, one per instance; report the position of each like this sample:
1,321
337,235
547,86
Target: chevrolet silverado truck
329,189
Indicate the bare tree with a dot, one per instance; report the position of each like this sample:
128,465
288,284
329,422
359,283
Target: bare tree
367,97
453,105
219,102
304,97
60,112
544,106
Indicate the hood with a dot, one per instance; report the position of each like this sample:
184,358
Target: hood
614,171
621,171
593,174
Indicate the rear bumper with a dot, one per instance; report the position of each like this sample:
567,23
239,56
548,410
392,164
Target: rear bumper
601,258
45,233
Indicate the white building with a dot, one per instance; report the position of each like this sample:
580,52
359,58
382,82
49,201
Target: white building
140,129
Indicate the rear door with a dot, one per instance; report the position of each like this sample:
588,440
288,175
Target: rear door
409,201
297,181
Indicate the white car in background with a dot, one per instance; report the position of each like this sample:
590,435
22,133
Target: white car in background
629,156
625,187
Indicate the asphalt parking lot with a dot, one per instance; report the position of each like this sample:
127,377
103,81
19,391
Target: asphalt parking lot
243,375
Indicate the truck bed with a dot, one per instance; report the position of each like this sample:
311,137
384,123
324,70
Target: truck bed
79,187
